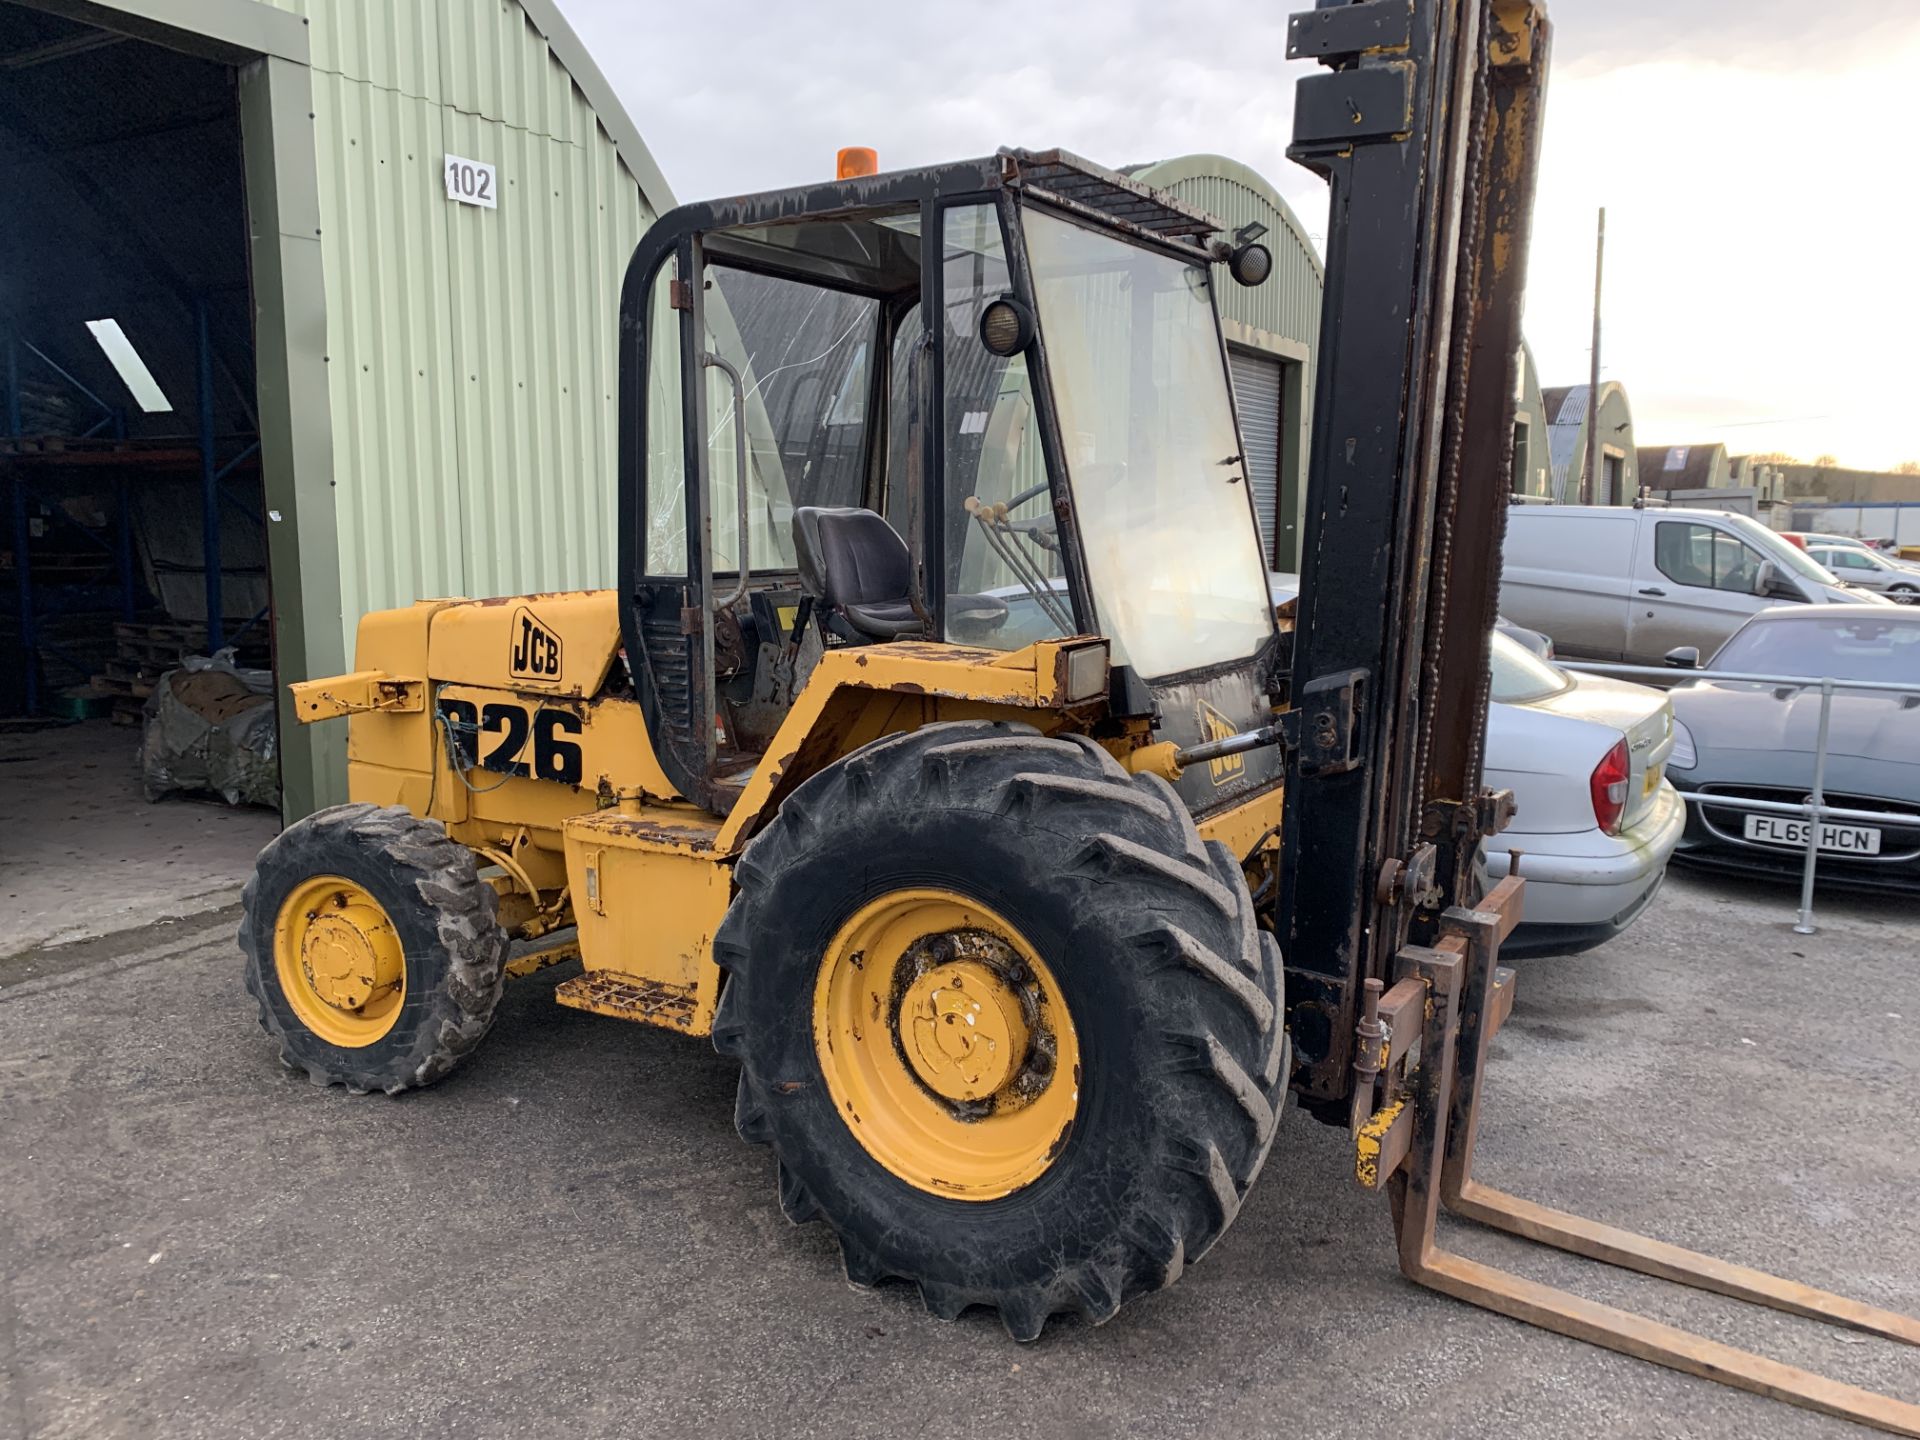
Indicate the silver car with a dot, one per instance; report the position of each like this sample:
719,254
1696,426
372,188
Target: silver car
1870,570
1595,823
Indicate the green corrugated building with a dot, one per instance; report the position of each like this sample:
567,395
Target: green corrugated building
369,253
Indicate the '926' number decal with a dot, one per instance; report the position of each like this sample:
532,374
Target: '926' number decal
494,737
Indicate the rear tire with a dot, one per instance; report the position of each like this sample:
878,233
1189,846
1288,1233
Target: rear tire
449,938
1173,997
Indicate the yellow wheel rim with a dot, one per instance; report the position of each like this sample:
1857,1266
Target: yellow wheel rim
946,1044
340,962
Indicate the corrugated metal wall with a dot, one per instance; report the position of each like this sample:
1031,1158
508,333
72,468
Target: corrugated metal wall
1256,393
1567,423
471,352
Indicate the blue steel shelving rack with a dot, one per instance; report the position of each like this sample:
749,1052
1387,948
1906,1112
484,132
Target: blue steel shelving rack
110,423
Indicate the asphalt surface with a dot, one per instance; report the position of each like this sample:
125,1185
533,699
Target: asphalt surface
567,1237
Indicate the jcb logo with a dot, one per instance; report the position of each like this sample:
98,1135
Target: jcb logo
1215,726
534,652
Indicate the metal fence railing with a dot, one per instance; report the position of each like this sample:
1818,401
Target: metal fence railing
1814,809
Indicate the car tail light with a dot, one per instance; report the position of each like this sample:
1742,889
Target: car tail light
1609,786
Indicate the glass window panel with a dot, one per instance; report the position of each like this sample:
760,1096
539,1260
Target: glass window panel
1159,483
1002,541
805,357
1705,556
666,457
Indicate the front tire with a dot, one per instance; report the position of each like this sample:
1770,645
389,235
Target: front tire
1128,1059
373,948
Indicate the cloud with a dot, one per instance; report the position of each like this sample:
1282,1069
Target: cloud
739,100
1758,283
1595,35
1754,156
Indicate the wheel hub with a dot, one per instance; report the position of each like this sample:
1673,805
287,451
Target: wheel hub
963,1030
350,954
946,1044
341,966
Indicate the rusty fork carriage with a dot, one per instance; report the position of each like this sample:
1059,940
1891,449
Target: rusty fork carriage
1416,1119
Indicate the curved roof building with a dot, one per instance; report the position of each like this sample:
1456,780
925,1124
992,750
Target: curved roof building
1619,480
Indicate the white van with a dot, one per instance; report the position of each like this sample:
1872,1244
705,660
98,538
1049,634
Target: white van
1612,582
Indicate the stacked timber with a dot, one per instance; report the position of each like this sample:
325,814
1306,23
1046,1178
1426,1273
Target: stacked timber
144,650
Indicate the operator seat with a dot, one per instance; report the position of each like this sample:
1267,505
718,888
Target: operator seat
859,573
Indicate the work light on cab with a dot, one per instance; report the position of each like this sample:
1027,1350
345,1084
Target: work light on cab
1006,327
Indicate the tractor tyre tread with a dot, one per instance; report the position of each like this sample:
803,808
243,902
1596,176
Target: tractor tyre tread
1163,917
448,920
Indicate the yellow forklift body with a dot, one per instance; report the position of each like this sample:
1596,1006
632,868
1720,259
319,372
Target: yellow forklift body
496,718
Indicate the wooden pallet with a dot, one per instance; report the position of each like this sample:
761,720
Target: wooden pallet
144,650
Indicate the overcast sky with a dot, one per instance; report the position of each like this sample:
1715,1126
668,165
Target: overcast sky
1756,158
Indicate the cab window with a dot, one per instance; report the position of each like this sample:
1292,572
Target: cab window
1701,555
804,354
998,508
666,458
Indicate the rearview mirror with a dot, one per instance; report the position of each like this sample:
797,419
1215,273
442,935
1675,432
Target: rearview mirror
1763,578
1684,657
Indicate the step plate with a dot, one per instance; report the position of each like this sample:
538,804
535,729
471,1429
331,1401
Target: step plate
629,997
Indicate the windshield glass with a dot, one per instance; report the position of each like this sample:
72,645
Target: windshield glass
1788,558
1518,675
1877,647
1159,485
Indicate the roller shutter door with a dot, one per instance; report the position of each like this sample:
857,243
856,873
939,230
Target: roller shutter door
1256,392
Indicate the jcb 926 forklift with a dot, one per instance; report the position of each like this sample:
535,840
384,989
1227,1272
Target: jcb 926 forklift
940,753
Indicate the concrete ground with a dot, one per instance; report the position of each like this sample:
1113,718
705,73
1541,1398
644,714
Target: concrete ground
567,1237
83,853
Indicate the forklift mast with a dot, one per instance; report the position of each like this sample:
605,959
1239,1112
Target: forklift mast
1426,126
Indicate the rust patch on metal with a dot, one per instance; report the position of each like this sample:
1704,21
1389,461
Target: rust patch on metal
658,832
629,997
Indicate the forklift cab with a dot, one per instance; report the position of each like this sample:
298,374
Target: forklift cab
806,462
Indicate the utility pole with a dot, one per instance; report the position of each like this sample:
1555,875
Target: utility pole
1590,482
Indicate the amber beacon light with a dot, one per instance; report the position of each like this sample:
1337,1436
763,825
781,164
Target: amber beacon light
853,161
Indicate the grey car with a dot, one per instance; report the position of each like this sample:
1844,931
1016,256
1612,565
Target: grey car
1757,741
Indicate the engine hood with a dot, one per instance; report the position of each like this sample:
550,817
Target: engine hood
555,644
1768,732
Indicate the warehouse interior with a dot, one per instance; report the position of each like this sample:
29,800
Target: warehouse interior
134,530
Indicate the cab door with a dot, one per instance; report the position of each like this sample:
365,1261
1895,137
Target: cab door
1693,584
